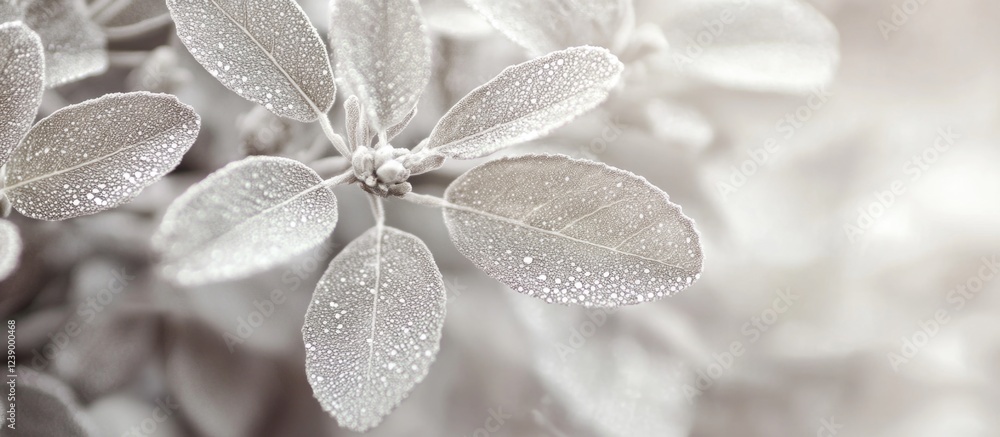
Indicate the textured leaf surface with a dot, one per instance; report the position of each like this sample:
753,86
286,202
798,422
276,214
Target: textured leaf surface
247,217
98,154
74,46
527,101
46,407
374,326
10,248
572,231
22,80
770,45
544,26
383,55
264,50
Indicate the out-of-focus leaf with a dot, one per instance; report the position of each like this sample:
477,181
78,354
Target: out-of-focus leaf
22,80
572,231
222,392
265,51
12,10
98,154
161,72
10,248
383,55
526,101
544,26
74,46
249,216
767,45
374,326
46,407
126,13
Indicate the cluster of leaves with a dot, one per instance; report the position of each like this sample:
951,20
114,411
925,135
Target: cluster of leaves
84,158
563,230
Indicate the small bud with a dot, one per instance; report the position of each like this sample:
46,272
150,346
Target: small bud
400,189
392,172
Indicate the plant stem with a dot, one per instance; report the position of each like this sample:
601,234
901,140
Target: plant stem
378,210
127,59
426,200
341,179
337,140
125,33
330,166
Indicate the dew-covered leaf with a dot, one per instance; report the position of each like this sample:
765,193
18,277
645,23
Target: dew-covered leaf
74,45
374,326
98,154
358,132
383,56
10,248
249,216
572,231
265,51
47,407
769,45
526,101
22,80
544,26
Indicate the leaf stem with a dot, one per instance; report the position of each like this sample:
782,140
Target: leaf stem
426,200
330,166
378,210
337,140
341,179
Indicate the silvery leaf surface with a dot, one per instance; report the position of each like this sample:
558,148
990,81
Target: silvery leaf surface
383,55
10,248
98,154
544,26
572,231
22,80
374,326
766,45
75,47
264,50
526,101
247,217
47,407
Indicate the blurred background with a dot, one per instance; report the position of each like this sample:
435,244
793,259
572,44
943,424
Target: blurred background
840,160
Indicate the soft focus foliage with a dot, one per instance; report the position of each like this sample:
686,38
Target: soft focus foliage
835,327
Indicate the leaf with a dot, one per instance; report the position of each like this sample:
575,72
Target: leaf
249,216
98,154
22,80
10,248
768,45
118,13
544,26
74,46
12,10
265,51
358,132
572,231
383,55
526,101
374,326
46,407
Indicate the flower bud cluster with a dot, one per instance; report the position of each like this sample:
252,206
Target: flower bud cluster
384,171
